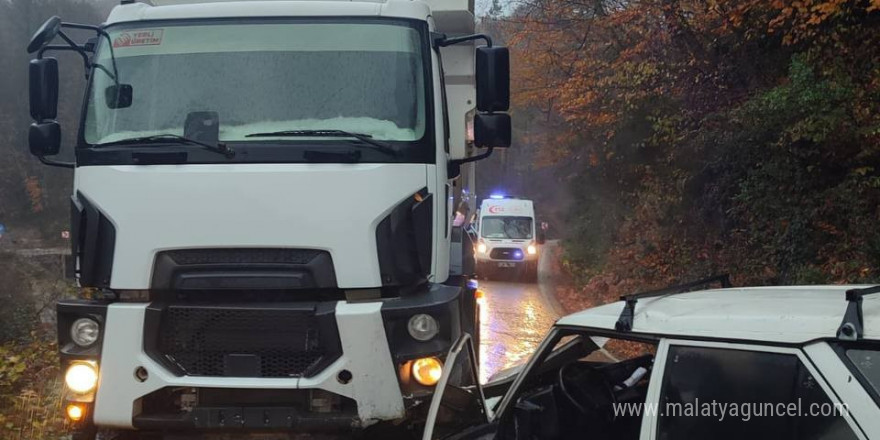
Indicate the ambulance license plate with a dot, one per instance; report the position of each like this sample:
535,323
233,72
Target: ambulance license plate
506,265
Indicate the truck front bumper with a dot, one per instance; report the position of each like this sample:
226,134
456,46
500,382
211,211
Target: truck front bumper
359,386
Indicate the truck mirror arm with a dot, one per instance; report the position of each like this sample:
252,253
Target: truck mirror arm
55,163
441,40
454,167
84,50
75,48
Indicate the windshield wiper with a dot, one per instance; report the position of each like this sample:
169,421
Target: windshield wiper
219,148
365,138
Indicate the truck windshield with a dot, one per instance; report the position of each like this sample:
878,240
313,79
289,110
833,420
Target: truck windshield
516,228
360,77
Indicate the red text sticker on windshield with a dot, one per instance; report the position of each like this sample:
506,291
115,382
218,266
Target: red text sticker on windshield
148,37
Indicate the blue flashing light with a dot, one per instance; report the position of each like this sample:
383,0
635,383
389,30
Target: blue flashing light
518,255
497,196
473,284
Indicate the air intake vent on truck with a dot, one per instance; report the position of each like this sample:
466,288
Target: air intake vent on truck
243,341
254,268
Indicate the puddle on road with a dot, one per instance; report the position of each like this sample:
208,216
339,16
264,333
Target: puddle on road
514,318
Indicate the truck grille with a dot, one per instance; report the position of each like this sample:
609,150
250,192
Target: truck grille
251,342
506,254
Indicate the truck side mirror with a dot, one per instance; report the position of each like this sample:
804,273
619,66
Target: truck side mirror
45,138
493,79
43,88
45,34
492,130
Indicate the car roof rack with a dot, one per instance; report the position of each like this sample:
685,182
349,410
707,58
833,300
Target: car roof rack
625,322
852,327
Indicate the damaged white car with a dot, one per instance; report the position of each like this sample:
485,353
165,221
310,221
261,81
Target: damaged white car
731,363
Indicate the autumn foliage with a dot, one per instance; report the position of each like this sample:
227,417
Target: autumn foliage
708,136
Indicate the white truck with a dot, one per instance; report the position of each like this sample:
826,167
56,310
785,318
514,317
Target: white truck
262,209
508,238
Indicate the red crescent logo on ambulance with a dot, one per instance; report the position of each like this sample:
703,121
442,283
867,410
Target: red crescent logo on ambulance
496,209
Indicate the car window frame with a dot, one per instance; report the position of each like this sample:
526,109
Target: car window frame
863,407
650,427
549,345
464,345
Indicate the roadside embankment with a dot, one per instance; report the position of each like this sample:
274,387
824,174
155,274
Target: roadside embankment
569,296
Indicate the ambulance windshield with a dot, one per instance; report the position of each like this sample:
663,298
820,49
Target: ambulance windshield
506,227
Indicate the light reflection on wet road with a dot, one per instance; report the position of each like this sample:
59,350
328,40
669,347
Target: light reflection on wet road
514,318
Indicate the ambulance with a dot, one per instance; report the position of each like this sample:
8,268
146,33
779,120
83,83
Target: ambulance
508,239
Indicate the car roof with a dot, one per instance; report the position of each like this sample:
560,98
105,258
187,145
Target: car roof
786,315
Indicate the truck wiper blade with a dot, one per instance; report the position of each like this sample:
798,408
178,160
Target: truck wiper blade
219,148
365,138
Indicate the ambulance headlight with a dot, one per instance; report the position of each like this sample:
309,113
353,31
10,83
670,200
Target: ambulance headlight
532,249
85,332
423,327
481,248
82,377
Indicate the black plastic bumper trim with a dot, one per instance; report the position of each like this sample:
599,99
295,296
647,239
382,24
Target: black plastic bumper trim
68,311
239,419
438,300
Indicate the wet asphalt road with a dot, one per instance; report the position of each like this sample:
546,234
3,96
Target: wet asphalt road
514,318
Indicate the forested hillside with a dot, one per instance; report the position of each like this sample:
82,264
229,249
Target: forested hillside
33,198
707,136
34,207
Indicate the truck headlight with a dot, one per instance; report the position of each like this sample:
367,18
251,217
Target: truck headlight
82,377
84,332
532,250
427,371
423,327
481,248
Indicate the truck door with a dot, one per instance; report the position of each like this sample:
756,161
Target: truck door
458,405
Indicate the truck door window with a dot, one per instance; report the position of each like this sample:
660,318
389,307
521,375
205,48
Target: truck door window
736,394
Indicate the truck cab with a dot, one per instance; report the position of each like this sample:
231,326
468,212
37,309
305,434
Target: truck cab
261,209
